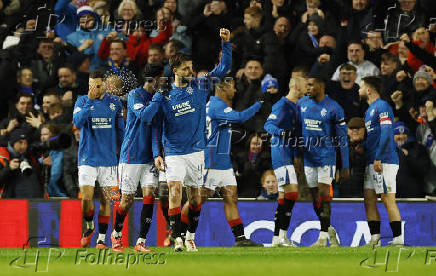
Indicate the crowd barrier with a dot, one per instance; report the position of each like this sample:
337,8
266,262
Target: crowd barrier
52,223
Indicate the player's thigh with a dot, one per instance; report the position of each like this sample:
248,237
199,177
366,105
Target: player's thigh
286,175
194,170
377,180
149,179
107,176
87,176
130,174
326,174
311,176
87,192
176,168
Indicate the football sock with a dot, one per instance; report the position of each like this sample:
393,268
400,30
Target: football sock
140,240
194,216
324,216
374,227
184,223
164,207
237,228
278,217
396,228
174,217
290,199
146,215
89,219
119,220
103,221
101,237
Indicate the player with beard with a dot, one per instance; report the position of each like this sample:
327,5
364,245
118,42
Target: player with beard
381,161
323,130
180,128
219,171
282,125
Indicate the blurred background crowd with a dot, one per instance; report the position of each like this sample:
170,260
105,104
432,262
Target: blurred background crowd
49,47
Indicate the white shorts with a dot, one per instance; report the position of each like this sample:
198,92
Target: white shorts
219,178
382,183
188,169
315,175
133,174
162,177
106,176
286,175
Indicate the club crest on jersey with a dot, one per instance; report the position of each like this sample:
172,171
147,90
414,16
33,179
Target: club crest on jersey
323,112
303,109
190,90
168,98
112,106
372,112
92,107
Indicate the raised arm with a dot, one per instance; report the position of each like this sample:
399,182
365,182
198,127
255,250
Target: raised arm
231,116
226,58
144,112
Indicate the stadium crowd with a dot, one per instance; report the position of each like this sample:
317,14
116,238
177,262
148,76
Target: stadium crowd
49,48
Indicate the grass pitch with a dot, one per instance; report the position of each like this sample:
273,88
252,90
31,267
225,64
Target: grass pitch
221,261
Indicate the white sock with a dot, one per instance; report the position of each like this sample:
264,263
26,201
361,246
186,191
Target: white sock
323,235
283,234
89,224
375,237
190,236
101,237
140,240
116,234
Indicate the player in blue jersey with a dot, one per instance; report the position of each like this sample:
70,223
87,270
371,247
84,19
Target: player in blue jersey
136,157
282,125
323,131
219,171
181,123
381,161
99,115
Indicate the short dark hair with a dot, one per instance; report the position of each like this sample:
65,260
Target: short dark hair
119,41
177,60
356,42
69,66
390,57
152,71
21,69
348,67
45,40
23,94
373,82
53,128
176,44
51,92
156,46
96,74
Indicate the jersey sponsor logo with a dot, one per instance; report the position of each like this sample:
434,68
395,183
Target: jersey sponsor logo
323,112
303,109
76,110
137,106
112,106
312,124
182,108
272,116
101,123
228,109
368,126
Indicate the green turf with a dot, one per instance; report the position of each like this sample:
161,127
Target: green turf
228,261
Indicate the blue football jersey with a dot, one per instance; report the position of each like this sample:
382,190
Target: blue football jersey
323,131
180,123
282,118
379,144
136,147
101,126
219,118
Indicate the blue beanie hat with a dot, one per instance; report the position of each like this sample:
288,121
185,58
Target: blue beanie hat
268,82
400,128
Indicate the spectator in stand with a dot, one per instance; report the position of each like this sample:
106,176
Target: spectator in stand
405,17
422,50
155,55
360,20
44,68
19,117
249,165
128,11
269,186
414,163
425,135
88,38
49,98
20,172
66,12
68,87
25,84
69,162
375,46
51,162
356,57
353,187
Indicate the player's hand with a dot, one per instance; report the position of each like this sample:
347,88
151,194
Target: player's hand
159,163
378,166
298,165
46,161
158,96
285,136
14,164
225,34
345,174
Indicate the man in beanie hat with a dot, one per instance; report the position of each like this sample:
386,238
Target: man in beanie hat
19,168
88,38
269,84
